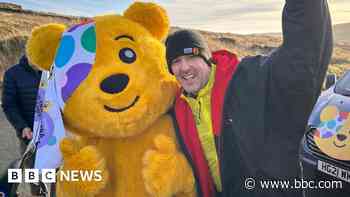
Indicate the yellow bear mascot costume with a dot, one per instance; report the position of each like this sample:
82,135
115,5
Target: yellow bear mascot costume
111,77
332,136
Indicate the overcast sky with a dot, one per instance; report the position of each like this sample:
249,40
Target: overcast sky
236,16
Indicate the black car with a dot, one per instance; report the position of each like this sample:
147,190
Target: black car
325,147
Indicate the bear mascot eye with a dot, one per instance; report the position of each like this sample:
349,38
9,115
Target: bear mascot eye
127,55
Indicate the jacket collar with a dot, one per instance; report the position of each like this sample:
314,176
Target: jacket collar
24,62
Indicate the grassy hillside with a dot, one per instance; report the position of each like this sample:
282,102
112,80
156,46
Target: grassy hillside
16,25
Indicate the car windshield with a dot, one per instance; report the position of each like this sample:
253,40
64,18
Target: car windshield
343,85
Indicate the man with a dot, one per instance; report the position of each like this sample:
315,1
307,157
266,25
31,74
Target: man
240,120
20,87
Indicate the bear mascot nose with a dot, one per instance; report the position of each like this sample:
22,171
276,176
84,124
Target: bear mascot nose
115,83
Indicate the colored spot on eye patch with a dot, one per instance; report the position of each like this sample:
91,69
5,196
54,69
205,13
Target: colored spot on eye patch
317,133
76,74
65,51
327,134
331,124
344,115
88,39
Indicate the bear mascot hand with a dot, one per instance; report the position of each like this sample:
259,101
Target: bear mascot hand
84,159
166,170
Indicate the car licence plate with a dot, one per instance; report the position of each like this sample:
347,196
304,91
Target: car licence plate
333,171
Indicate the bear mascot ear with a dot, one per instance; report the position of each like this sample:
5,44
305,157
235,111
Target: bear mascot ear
151,16
42,45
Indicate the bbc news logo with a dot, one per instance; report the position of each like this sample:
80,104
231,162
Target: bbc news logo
50,176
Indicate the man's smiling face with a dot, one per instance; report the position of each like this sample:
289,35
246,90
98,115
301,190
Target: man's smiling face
192,72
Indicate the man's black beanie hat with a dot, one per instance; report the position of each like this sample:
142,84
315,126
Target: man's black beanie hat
186,42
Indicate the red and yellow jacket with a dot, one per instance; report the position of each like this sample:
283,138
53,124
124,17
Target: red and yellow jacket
187,132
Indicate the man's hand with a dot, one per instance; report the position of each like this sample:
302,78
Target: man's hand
27,133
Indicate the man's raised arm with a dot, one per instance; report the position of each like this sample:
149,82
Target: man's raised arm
301,61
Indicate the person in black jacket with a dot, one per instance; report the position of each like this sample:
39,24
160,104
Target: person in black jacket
20,87
257,108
